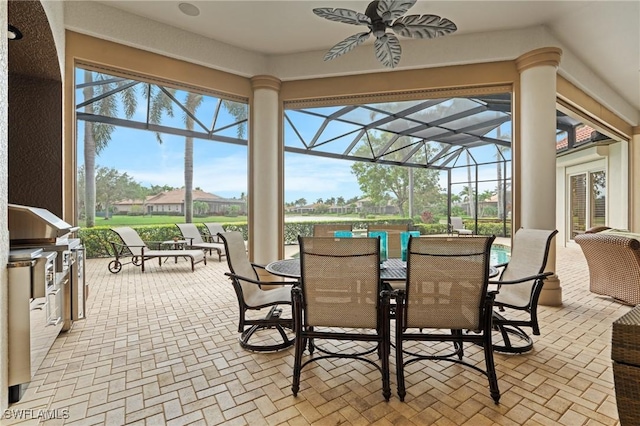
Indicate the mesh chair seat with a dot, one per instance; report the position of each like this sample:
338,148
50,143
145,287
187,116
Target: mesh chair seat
447,281
340,298
251,296
520,284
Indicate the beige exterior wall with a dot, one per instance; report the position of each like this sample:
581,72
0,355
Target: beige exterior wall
613,159
4,232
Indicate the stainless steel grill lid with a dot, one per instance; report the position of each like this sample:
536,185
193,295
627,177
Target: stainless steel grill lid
33,223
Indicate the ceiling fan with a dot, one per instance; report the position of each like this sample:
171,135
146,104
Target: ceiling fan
380,15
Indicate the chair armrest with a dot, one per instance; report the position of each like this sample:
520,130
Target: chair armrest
501,265
258,282
524,279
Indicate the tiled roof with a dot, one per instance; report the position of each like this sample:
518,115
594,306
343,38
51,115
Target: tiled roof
177,197
583,134
172,197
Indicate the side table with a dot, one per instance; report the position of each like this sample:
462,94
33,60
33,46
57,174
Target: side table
174,245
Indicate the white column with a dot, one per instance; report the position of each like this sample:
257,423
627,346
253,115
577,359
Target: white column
537,151
265,172
634,180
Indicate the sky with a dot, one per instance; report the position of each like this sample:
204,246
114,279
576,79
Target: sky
219,168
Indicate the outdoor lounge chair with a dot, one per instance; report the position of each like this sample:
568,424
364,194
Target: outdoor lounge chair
213,230
191,234
133,245
457,227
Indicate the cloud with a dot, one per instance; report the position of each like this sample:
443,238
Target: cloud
315,177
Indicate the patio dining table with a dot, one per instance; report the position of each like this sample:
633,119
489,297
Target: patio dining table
393,271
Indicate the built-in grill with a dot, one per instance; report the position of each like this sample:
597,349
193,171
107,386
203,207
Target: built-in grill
34,227
51,286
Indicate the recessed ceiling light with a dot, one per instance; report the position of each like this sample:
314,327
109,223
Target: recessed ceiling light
13,33
189,9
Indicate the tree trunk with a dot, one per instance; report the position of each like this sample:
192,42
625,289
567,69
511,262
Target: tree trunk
188,180
89,158
470,189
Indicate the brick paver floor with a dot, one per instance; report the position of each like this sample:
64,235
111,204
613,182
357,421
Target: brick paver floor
161,348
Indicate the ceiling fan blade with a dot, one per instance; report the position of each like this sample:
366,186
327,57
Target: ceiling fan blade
345,16
423,26
346,45
389,10
388,50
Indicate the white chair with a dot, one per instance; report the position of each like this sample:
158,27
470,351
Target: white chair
520,284
191,234
252,296
134,245
457,227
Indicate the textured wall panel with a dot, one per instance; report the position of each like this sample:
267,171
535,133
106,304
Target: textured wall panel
35,142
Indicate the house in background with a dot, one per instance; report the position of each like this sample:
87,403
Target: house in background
172,202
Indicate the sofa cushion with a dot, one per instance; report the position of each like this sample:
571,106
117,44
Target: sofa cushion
622,233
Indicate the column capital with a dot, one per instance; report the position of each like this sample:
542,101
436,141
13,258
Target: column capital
539,57
265,82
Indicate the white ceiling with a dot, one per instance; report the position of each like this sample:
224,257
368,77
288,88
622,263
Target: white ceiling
605,35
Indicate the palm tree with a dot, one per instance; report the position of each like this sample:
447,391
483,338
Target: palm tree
98,135
194,100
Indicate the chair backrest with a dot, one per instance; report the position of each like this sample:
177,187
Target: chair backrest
447,281
190,232
456,222
214,229
327,230
131,239
238,261
340,280
529,253
394,246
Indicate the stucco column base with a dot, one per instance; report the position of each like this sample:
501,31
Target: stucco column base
551,294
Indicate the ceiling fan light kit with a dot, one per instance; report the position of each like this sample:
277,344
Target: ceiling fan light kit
380,16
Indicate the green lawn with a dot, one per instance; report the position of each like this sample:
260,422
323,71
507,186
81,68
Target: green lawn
122,220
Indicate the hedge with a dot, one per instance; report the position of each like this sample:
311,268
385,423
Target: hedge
96,240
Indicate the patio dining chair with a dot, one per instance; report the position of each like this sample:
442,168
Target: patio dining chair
446,290
327,229
191,234
393,237
519,285
253,297
340,299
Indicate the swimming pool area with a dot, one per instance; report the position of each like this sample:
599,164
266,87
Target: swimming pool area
499,254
